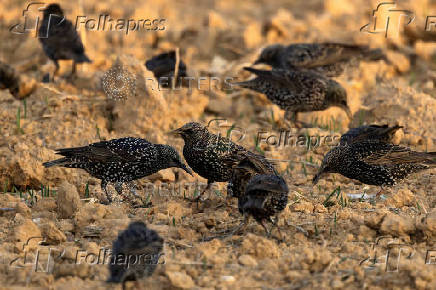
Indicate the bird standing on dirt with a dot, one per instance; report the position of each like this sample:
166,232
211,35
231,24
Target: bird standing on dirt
329,59
120,160
298,91
375,163
59,38
266,195
212,157
383,133
163,66
135,254
251,165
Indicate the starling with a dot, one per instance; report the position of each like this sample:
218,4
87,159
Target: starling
19,86
120,160
329,59
9,79
266,195
118,83
375,163
212,157
248,167
135,254
383,133
298,91
163,66
59,38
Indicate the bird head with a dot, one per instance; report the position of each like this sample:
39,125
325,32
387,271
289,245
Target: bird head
330,163
190,131
53,9
270,55
337,96
171,158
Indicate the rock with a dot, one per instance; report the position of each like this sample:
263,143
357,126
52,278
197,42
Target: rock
68,200
52,234
25,235
180,279
23,209
303,206
399,60
404,197
89,213
339,7
247,260
373,220
427,224
397,225
259,247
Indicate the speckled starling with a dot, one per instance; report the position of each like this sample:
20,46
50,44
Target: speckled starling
135,254
163,66
120,160
250,166
375,163
329,59
298,91
382,133
9,79
265,196
212,157
59,38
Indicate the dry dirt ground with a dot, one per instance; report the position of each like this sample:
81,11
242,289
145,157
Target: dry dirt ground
334,236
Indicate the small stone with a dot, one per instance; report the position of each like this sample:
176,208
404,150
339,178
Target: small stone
247,260
68,200
180,279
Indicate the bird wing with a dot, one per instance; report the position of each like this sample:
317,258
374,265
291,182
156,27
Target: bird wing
63,35
388,154
380,132
321,54
124,149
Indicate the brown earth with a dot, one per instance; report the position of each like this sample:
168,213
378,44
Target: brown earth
328,242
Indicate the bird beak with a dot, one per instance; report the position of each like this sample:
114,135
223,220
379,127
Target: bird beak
175,132
348,112
317,177
258,61
184,167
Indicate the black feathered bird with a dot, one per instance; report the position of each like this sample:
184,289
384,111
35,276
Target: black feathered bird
297,90
212,157
135,254
266,195
18,86
59,38
120,160
329,59
383,133
375,163
249,166
163,66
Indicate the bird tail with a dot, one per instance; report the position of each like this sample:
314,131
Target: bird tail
82,58
375,54
391,130
252,83
57,162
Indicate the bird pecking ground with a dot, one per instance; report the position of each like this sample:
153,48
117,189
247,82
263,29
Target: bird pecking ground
334,234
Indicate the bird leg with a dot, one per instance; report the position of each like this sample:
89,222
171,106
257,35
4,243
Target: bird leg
104,188
197,199
292,119
73,69
55,71
119,187
276,224
268,232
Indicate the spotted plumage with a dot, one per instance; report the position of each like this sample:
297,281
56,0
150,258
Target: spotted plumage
329,59
59,38
298,91
251,165
135,254
163,66
120,160
375,163
212,157
266,195
382,133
